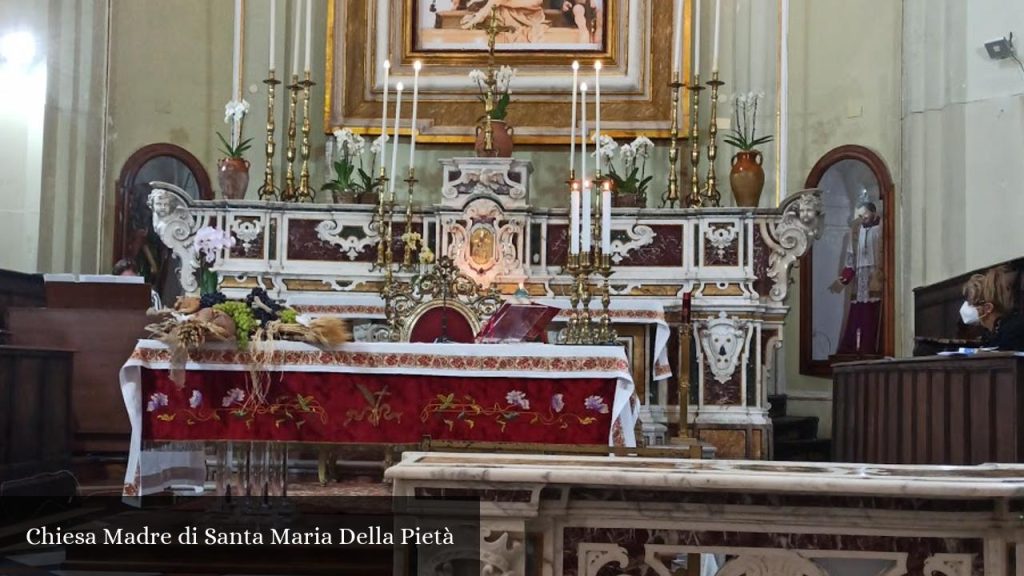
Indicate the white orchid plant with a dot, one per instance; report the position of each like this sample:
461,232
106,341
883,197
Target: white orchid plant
501,82
234,113
744,134
351,173
633,178
207,244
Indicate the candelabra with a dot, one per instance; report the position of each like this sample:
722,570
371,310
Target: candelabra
268,191
581,266
694,199
305,192
711,196
411,246
290,193
672,194
384,206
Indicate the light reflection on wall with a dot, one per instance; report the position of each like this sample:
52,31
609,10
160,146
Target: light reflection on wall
22,106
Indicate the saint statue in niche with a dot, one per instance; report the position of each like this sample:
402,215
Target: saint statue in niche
862,274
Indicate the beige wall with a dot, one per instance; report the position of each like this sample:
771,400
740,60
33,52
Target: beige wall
845,78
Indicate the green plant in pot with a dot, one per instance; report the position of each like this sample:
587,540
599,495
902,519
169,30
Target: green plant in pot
233,169
496,95
630,182
747,174
354,181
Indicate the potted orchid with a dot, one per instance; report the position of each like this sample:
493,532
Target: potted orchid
354,179
630,180
496,95
747,175
233,169
207,244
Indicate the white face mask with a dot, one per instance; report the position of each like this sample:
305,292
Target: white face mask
969,314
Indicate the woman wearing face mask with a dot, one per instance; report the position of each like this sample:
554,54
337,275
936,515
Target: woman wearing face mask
988,304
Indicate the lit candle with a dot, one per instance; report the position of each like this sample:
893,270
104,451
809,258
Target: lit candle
718,35
583,130
606,217
588,201
295,38
273,32
416,66
572,123
236,63
597,113
309,32
394,145
696,40
677,38
384,116
574,218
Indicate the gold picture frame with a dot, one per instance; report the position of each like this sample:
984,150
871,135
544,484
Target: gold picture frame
636,58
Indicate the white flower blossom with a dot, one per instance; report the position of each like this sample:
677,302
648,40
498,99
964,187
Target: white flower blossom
196,399
156,401
477,76
605,148
642,146
235,110
504,78
349,143
209,241
628,154
378,144
234,396
517,398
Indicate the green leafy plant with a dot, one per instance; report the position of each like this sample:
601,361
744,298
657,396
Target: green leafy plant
633,178
350,173
234,151
744,134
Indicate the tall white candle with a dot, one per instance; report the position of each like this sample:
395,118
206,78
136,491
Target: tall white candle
606,218
273,33
597,112
677,38
574,218
295,38
696,40
572,123
309,32
416,66
394,145
718,35
583,131
782,142
236,56
384,116
588,200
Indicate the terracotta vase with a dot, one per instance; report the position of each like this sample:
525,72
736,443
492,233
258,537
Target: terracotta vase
502,140
233,176
344,196
747,178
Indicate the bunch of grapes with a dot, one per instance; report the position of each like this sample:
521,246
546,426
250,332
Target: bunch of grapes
289,316
211,299
245,323
264,308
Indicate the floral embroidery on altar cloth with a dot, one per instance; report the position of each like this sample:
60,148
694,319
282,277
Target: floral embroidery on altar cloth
292,408
466,410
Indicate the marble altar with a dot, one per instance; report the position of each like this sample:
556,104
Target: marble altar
735,262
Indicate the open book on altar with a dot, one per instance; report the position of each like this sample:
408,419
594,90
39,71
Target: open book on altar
517,323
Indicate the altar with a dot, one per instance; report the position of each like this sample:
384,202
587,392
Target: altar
697,296
386,394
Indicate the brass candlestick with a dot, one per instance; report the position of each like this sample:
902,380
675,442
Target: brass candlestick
671,196
606,334
694,200
269,191
572,267
383,216
305,192
711,195
289,194
685,342
410,249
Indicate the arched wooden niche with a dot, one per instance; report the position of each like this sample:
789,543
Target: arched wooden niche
133,235
835,324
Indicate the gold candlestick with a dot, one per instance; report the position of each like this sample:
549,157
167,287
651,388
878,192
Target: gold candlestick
305,192
671,196
685,341
711,195
572,267
383,215
606,335
407,260
694,200
289,194
269,191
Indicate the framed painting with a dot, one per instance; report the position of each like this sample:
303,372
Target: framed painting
539,38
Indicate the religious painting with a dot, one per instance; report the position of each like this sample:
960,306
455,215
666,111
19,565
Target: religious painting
847,276
538,38
528,25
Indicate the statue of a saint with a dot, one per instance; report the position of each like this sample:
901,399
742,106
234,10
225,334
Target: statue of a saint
863,273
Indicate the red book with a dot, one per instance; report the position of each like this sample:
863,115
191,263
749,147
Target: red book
517,323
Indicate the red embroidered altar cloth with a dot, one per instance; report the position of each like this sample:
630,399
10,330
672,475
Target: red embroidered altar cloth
372,393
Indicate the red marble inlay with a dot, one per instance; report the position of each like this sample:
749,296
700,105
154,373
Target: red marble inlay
558,244
762,285
729,256
255,247
718,394
304,243
666,250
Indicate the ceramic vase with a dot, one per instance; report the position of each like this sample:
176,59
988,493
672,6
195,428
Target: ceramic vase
747,178
502,140
233,176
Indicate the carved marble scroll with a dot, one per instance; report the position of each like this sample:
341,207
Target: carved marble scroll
175,225
789,237
783,563
639,235
351,245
